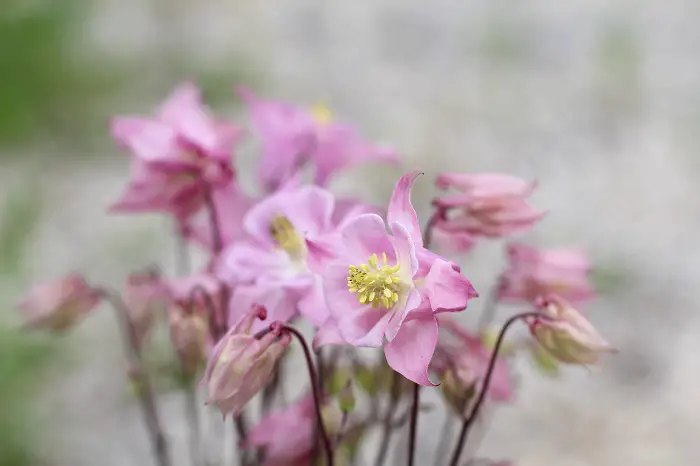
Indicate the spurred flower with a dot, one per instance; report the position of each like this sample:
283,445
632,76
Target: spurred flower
240,365
288,436
59,304
384,284
566,334
488,205
177,155
462,367
144,294
532,273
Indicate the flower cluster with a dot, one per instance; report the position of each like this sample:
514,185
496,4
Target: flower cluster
359,275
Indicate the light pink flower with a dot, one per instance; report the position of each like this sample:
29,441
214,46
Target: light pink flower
384,284
488,205
144,294
288,436
59,304
177,155
189,335
533,273
566,334
241,365
462,366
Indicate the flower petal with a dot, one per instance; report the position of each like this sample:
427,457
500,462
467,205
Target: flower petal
401,210
364,236
447,289
411,351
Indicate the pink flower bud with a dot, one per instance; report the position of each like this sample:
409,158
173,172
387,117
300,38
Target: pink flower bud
143,295
240,364
532,273
59,304
189,333
566,334
488,205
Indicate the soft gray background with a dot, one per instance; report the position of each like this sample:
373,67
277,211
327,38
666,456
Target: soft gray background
599,101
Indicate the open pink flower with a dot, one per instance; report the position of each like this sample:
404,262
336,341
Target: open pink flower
532,273
59,304
241,365
566,334
462,366
488,205
384,284
177,154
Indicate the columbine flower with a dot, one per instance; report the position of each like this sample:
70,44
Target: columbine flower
489,205
58,305
178,154
566,334
143,294
292,136
240,365
386,285
288,436
462,368
533,273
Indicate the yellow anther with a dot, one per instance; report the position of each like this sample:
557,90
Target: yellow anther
322,114
375,284
287,238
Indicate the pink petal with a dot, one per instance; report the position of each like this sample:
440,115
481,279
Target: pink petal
328,334
149,140
313,304
401,210
364,236
365,328
405,251
272,298
411,351
447,289
246,262
399,315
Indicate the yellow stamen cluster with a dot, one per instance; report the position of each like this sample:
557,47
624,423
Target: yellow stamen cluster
286,237
373,284
322,114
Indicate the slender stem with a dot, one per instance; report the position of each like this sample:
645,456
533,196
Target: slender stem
240,422
139,377
388,420
428,230
193,421
414,425
469,420
217,240
316,391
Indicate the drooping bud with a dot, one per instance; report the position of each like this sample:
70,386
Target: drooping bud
143,296
241,365
188,335
458,388
58,305
346,398
566,334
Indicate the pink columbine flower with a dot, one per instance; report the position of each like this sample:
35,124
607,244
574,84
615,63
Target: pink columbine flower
288,436
385,284
487,205
462,367
240,365
566,334
532,273
292,136
59,304
144,294
178,154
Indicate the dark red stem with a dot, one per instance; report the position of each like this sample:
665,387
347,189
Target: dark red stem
414,425
469,420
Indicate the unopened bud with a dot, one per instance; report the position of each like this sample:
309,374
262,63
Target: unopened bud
346,398
458,389
188,335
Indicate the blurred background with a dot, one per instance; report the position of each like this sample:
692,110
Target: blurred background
599,101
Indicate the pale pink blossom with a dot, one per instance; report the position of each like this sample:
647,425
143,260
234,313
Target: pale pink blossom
532,273
566,334
59,304
144,295
487,205
385,285
241,365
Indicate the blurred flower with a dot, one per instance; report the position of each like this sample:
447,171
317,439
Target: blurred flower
288,436
463,366
533,273
566,334
178,155
143,294
59,304
241,365
388,286
189,335
488,205
292,136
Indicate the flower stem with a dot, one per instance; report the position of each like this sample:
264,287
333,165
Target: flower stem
316,391
388,419
139,377
428,230
469,420
217,240
414,425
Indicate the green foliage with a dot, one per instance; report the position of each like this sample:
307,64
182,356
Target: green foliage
20,215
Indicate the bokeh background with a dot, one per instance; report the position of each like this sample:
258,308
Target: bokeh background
597,100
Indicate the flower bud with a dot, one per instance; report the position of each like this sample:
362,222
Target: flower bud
58,305
346,398
458,388
143,294
188,335
241,365
566,334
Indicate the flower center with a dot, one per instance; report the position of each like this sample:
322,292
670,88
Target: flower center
287,238
322,114
374,284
